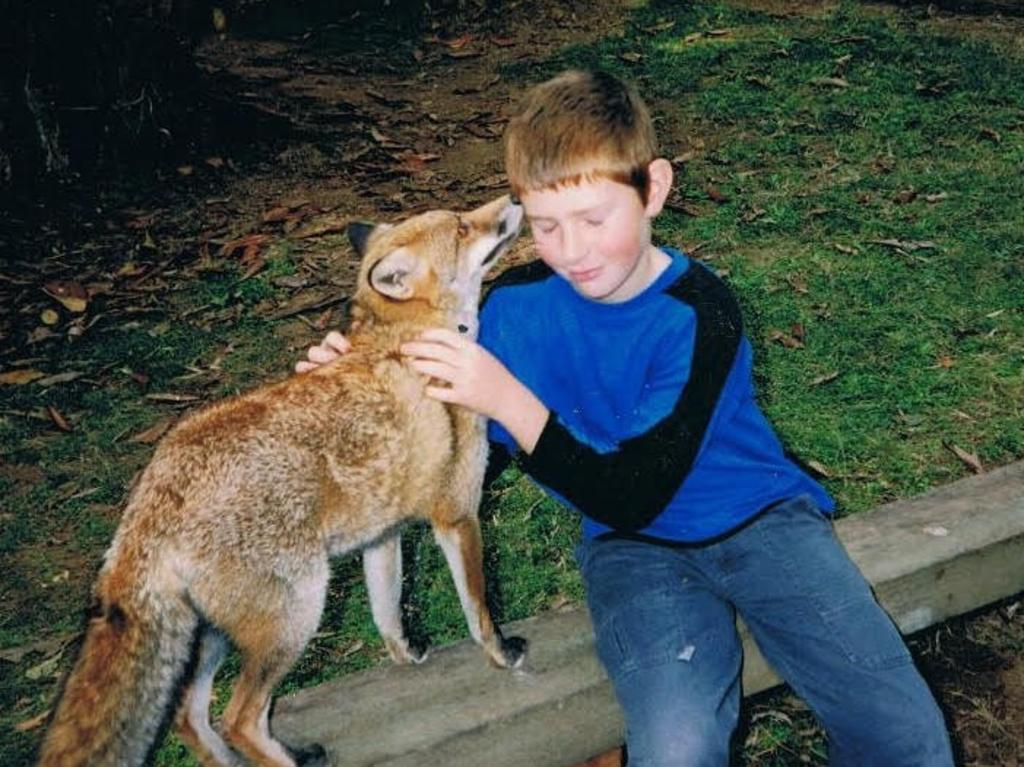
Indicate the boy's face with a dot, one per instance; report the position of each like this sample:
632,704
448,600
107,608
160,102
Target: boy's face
596,235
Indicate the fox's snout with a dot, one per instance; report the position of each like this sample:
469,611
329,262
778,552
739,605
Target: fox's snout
511,218
501,221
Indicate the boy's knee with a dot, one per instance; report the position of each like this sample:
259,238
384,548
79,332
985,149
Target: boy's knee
696,742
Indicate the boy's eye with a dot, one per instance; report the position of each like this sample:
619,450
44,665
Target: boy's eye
594,221
544,228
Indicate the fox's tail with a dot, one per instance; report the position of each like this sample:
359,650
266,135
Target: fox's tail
117,696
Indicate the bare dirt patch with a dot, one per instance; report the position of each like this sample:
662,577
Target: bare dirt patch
976,666
421,130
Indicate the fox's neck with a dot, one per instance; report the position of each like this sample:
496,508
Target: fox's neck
368,331
384,326
385,338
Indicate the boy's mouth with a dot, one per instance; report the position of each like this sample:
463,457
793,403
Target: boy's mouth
585,275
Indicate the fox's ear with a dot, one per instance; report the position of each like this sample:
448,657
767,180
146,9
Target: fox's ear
358,233
393,275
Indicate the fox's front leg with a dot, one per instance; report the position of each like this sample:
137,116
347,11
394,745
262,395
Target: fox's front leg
463,548
382,565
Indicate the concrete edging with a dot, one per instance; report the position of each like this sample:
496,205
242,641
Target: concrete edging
940,554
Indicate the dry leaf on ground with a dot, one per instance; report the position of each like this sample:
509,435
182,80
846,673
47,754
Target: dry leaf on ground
329,224
59,378
794,339
970,459
906,245
827,378
830,82
33,723
45,646
715,194
172,397
249,245
20,377
58,418
153,434
71,294
819,468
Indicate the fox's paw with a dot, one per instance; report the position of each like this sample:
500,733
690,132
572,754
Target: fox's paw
313,755
402,652
512,652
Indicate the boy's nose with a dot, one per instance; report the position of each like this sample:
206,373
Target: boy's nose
574,246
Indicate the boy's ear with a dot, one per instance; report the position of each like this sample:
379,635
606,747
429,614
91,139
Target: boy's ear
660,175
393,276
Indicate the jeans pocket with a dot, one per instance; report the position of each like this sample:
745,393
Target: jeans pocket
641,633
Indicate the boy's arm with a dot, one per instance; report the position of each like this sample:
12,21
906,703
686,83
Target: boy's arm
625,489
467,374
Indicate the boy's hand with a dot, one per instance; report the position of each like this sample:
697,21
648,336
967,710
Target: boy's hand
333,346
474,375
479,381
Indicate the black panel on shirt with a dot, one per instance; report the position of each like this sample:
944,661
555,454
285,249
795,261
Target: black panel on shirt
627,488
498,459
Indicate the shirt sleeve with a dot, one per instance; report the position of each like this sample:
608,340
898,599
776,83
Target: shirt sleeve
628,487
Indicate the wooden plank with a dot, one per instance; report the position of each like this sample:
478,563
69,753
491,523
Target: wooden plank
951,550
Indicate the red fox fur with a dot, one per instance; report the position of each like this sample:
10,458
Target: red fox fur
226,536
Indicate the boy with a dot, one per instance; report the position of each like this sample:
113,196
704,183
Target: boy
619,375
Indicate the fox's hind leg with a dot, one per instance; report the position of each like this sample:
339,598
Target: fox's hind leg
382,566
270,637
193,717
463,548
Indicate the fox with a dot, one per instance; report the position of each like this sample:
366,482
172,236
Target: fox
227,534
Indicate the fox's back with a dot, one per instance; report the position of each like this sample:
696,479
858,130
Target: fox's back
341,453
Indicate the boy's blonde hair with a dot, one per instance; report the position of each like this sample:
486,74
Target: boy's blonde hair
580,126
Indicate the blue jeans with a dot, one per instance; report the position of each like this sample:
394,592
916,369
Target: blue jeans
664,620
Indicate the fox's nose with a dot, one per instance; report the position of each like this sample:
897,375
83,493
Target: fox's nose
463,328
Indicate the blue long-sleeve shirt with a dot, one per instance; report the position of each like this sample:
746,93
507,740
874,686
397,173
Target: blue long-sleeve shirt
654,430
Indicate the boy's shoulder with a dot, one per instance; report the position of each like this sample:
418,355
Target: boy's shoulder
532,272
518,288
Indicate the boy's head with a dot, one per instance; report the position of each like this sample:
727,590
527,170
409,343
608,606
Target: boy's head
580,126
582,156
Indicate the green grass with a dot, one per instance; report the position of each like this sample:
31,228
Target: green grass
924,348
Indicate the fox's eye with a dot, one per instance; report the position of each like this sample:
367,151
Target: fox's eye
463,228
